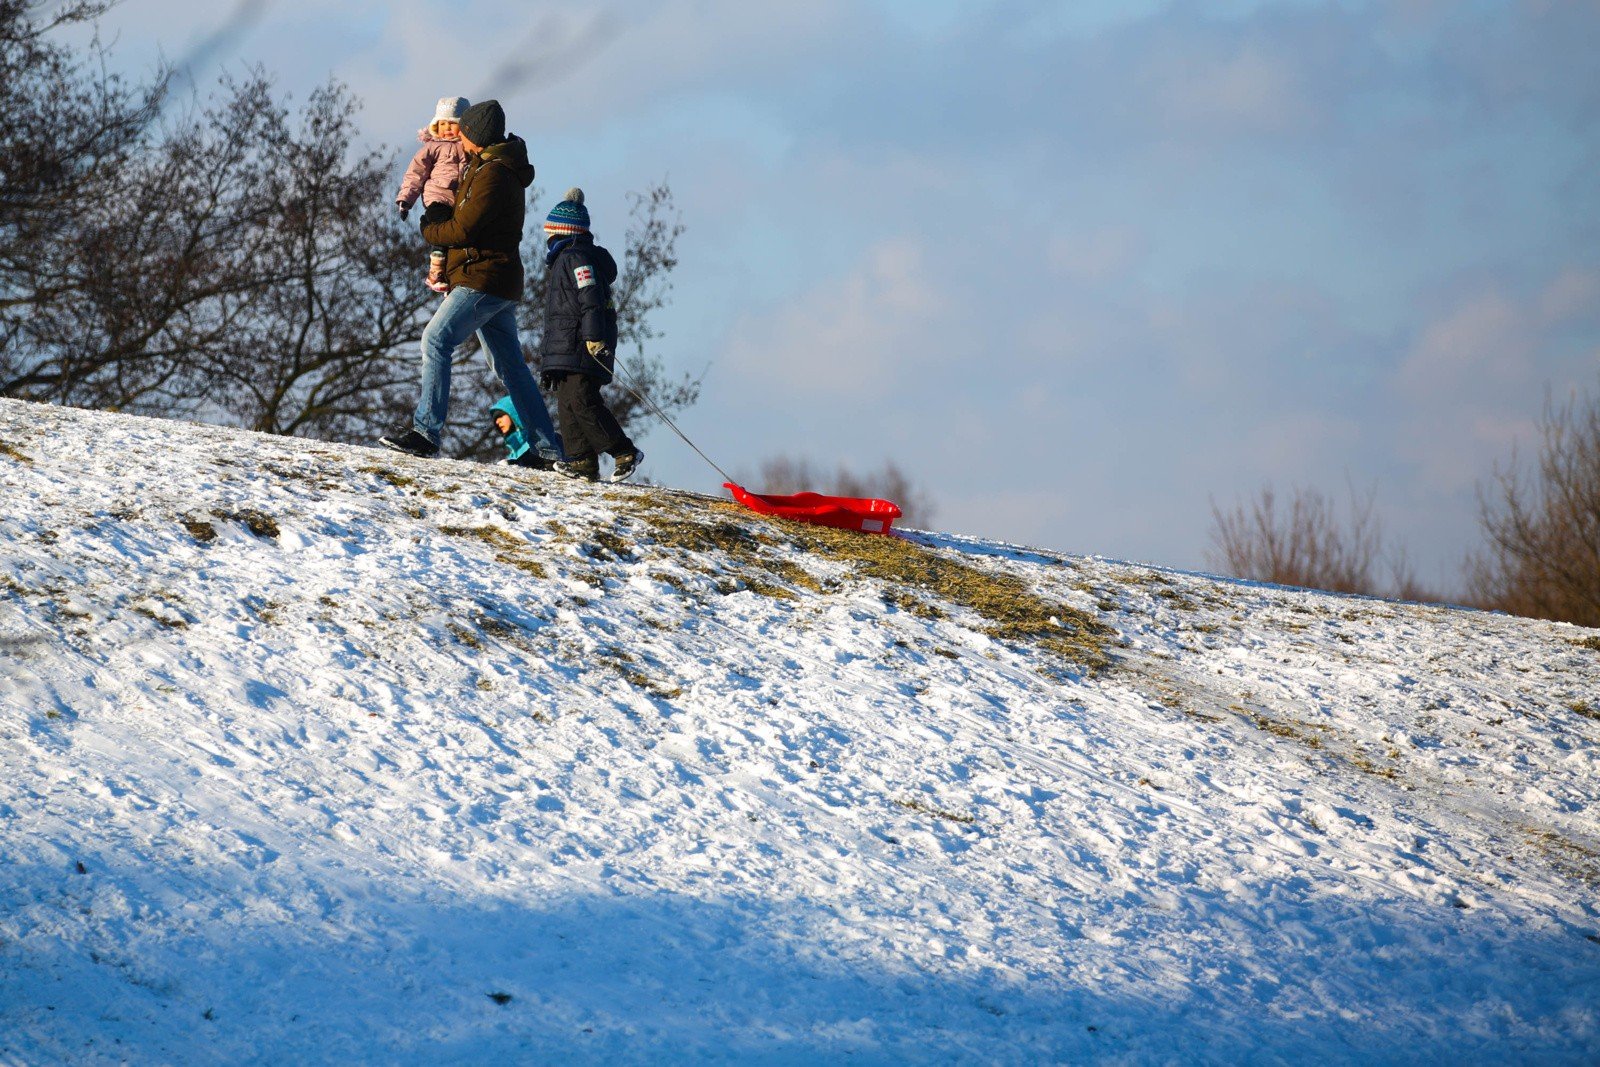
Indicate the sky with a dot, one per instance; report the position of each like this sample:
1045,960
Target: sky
1080,270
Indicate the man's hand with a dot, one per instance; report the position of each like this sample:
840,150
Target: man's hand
597,349
405,212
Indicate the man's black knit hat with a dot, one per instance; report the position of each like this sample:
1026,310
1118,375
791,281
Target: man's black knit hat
484,123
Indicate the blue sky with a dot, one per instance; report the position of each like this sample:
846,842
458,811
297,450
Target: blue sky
1077,268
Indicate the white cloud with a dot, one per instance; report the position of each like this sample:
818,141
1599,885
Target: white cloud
1492,341
1241,86
615,62
1473,383
1304,446
1475,349
1573,295
1263,342
1101,254
860,330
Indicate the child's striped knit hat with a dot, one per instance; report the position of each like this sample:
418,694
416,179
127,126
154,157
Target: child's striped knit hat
569,216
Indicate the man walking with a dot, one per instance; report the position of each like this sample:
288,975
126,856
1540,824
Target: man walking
484,268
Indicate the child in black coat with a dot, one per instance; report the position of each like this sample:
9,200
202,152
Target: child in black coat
578,352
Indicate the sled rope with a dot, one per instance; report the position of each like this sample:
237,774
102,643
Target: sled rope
627,384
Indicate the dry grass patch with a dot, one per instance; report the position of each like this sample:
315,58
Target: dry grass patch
527,565
200,530
1580,862
913,604
1013,611
762,572
511,549
921,808
917,578
624,665
1312,735
492,536
607,545
258,523
162,611
388,474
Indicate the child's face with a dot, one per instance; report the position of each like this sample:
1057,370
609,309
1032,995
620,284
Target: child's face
502,422
447,129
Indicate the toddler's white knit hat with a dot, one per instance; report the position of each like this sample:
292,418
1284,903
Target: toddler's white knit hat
450,109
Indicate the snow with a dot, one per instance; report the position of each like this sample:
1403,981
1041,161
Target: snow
316,753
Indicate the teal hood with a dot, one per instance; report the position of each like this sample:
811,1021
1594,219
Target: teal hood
516,442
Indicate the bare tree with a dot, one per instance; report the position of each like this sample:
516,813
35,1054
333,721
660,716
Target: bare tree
238,262
784,474
1543,553
80,120
327,343
244,270
59,156
1304,544
1404,584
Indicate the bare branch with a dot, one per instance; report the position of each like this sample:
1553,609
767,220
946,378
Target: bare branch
1306,544
1542,556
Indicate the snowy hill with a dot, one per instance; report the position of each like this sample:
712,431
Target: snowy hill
322,754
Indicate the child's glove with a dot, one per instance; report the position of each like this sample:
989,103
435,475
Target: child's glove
405,211
596,348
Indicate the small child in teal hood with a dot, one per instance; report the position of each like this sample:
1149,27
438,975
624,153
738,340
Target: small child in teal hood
518,451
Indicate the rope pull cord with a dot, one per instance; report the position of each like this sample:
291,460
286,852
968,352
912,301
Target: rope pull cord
627,383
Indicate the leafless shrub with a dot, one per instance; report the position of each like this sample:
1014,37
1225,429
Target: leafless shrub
1306,544
1404,584
1542,557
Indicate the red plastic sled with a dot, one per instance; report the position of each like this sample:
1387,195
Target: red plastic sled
840,512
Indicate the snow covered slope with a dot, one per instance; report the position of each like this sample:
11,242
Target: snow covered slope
313,753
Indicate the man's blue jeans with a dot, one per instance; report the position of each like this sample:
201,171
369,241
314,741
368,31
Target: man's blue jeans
464,312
